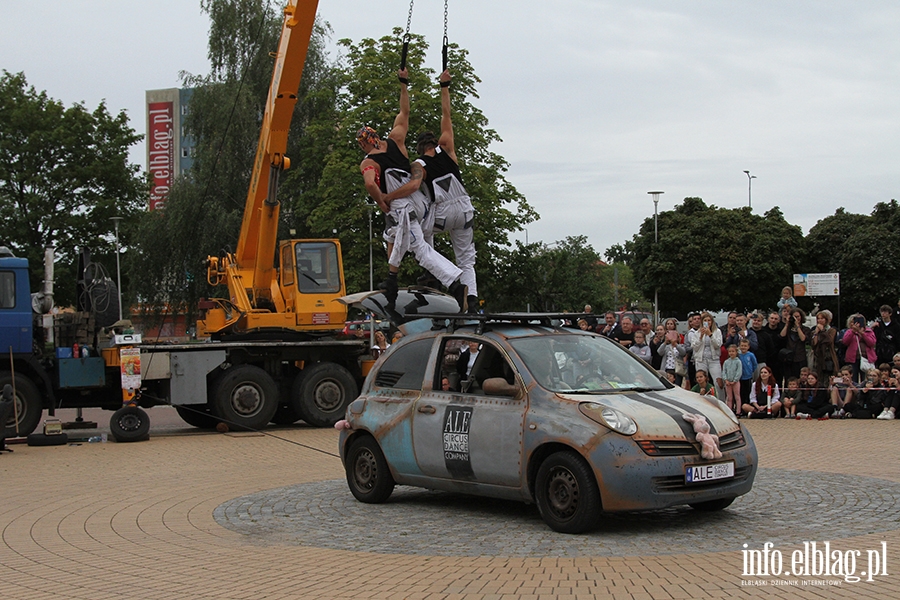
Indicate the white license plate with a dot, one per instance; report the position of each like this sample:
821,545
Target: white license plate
711,472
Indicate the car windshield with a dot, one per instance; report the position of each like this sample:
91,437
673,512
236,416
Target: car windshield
585,364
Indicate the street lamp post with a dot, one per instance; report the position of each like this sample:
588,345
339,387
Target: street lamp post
655,241
118,269
750,179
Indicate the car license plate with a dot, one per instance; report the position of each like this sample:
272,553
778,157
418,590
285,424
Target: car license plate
711,472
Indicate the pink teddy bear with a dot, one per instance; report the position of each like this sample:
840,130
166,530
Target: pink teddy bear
709,443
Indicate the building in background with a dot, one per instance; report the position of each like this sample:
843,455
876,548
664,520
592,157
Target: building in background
169,150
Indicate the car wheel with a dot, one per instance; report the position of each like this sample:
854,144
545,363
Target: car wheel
28,405
368,475
567,495
712,505
130,424
322,392
246,397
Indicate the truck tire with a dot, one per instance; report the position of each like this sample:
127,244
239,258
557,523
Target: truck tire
197,415
130,424
245,397
322,392
28,405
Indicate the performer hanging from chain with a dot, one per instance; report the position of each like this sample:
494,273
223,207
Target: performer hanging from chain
385,169
452,212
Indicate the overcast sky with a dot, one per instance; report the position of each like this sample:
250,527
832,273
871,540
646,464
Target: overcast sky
598,102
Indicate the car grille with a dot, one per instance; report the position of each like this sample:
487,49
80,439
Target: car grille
729,441
676,482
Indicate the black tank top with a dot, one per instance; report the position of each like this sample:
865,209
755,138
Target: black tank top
437,166
392,158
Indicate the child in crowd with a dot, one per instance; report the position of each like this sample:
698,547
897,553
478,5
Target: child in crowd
748,368
787,298
843,390
704,387
791,397
640,347
760,393
815,400
731,373
867,402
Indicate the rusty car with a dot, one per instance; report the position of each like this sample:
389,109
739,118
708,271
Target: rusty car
563,418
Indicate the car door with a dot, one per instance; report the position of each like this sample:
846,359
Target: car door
466,433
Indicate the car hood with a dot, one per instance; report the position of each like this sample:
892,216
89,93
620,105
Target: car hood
659,415
410,302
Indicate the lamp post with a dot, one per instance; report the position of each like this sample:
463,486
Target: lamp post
750,179
118,269
655,241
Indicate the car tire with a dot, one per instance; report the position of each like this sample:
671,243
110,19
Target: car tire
130,424
712,505
245,397
28,399
42,439
566,494
368,475
322,392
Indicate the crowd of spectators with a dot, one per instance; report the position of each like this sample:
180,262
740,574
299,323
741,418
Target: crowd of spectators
777,363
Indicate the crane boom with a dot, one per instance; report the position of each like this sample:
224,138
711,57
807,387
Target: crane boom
256,245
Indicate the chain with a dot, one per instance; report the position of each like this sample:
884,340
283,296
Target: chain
409,19
445,21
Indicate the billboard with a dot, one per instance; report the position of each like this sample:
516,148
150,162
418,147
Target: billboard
817,284
160,151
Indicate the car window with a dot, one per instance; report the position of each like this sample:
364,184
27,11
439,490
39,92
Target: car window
466,375
404,368
584,363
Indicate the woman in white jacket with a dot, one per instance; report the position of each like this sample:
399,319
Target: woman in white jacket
707,343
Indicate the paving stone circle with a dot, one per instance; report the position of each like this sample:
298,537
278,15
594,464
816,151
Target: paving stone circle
784,507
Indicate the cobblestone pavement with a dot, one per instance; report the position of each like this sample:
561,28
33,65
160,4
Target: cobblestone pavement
145,520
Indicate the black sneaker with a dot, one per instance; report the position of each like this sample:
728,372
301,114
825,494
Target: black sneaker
426,279
389,287
472,301
460,292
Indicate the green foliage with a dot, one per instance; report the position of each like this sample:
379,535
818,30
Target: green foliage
562,276
63,173
865,250
716,258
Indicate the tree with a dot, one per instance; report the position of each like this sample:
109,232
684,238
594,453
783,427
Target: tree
716,258
63,173
864,250
563,275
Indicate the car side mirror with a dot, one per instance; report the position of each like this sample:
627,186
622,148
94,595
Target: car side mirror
498,386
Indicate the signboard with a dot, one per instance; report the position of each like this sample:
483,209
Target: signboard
817,284
161,143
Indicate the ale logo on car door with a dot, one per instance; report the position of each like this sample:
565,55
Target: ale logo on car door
457,420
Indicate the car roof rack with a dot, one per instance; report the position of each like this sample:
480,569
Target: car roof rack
482,321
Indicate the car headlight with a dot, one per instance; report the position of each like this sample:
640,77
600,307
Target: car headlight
609,417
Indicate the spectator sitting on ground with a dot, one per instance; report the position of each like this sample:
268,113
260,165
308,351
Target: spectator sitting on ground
815,400
868,402
842,389
791,396
760,393
891,396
